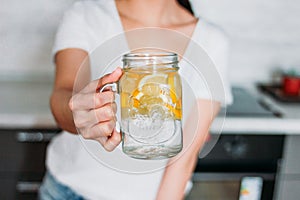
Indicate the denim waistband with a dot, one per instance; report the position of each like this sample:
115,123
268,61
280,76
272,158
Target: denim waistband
51,189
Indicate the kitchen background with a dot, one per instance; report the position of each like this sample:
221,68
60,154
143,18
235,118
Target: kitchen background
265,39
264,35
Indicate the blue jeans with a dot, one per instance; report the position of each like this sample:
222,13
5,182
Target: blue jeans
51,189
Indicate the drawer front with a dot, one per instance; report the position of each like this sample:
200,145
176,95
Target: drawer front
21,186
244,153
24,150
8,186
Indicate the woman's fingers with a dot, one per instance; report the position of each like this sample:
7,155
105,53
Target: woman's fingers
103,129
94,112
87,101
83,118
113,141
110,143
105,113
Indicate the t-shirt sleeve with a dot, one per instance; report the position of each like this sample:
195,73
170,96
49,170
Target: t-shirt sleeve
205,71
73,31
220,57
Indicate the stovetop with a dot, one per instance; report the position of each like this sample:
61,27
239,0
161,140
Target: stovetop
246,105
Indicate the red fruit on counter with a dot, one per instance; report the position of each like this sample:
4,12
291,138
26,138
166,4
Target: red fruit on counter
291,85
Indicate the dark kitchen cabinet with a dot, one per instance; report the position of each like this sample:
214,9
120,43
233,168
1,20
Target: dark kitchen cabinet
236,156
22,161
288,183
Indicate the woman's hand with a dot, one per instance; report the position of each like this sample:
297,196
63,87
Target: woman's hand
94,112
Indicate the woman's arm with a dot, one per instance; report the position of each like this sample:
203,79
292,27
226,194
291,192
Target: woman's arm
181,167
68,64
76,104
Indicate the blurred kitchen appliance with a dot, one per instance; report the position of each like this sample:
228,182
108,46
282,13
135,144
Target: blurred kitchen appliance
236,156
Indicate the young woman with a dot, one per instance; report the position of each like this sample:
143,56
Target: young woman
72,172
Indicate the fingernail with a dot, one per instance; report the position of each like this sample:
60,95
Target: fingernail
118,128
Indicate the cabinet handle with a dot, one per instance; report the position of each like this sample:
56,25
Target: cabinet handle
28,187
35,136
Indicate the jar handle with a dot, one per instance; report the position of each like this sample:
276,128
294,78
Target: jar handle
113,86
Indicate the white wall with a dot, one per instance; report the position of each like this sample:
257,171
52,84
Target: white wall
264,34
27,30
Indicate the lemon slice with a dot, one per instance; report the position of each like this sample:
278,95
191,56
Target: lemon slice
153,78
130,82
151,84
156,89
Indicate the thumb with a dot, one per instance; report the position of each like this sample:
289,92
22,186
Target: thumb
109,78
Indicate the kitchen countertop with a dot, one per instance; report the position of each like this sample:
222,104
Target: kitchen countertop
288,123
26,105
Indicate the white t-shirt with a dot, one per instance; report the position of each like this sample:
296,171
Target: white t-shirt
83,165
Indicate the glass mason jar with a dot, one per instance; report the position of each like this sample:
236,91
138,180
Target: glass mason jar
151,105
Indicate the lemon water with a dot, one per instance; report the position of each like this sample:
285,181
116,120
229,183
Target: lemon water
151,113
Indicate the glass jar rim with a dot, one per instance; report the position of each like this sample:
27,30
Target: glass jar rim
136,56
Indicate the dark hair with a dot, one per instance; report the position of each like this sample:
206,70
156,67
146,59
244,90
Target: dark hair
186,4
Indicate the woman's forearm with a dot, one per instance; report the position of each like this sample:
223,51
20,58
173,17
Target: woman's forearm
181,167
176,177
60,109
74,63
